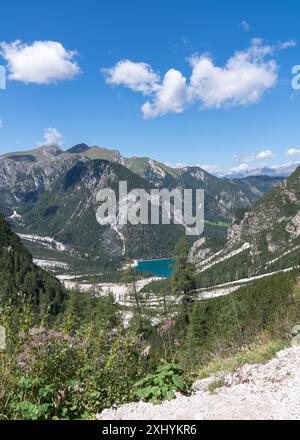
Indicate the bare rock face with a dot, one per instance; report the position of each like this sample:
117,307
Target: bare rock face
271,231
22,175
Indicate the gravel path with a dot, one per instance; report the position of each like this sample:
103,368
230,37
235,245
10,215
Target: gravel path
264,391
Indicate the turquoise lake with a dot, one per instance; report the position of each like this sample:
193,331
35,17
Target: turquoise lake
159,268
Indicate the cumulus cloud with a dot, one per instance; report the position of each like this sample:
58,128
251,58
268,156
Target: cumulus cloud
243,167
52,137
42,62
264,154
138,77
242,81
245,25
171,96
292,152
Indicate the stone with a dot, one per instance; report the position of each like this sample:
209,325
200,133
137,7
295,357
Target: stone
296,340
295,330
2,338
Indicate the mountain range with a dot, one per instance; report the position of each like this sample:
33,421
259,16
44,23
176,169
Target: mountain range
49,195
274,171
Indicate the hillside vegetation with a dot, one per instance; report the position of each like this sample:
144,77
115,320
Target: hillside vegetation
87,357
21,280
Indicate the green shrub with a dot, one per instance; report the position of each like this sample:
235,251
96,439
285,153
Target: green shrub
121,368
162,384
48,377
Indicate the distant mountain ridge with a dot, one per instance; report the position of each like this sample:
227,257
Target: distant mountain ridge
276,171
33,196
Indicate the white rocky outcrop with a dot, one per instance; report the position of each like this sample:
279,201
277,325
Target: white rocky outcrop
253,392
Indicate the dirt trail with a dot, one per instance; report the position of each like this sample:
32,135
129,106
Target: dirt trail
264,391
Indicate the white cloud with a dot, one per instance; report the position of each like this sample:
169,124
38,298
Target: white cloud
286,44
171,96
213,169
42,62
245,25
293,152
138,77
243,167
264,154
52,137
244,79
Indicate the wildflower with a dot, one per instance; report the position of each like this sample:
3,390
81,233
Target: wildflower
166,327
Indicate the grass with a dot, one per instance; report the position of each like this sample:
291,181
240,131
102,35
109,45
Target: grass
259,353
216,384
217,224
297,292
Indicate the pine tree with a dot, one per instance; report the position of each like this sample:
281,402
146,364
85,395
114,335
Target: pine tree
130,277
183,279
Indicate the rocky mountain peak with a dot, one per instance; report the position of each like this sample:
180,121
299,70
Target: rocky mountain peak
78,148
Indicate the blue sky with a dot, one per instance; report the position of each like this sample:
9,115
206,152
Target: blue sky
213,118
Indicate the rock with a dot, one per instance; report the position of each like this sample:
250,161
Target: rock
296,340
2,338
295,330
201,385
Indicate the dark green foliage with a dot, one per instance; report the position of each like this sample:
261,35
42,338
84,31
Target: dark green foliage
183,279
162,384
240,214
122,367
19,277
84,308
237,267
225,323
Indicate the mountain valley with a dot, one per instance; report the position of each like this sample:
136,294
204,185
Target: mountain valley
48,192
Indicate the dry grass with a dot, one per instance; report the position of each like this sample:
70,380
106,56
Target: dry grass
259,353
